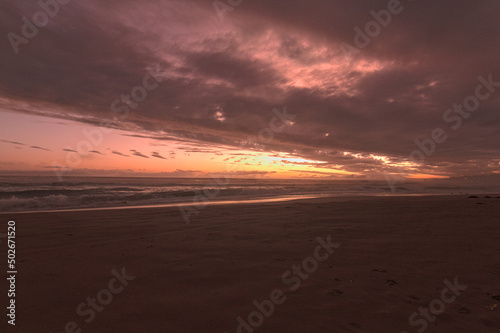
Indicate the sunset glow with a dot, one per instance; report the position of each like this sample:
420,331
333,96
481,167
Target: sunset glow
201,93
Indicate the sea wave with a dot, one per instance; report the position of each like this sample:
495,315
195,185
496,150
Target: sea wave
31,194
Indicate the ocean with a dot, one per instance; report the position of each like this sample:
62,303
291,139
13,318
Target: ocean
22,193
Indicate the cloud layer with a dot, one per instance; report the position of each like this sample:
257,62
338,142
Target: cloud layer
221,79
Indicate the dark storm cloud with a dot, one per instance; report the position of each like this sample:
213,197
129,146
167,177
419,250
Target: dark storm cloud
13,142
157,155
226,66
118,153
221,80
136,153
40,148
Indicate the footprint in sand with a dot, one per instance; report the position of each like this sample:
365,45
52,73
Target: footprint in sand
335,292
391,282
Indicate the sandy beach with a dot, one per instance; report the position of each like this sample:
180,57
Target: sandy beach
150,272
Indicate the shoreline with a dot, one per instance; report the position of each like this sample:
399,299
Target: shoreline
243,202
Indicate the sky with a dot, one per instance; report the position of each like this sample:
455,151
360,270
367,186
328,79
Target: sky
272,89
